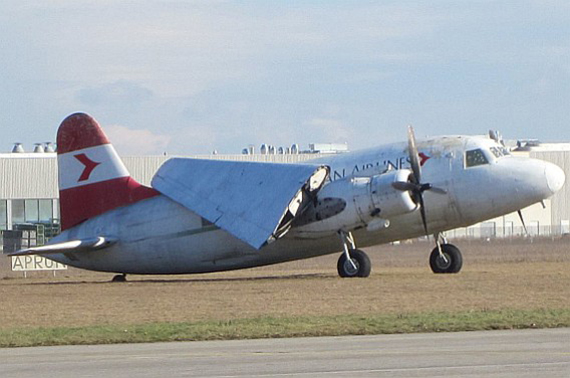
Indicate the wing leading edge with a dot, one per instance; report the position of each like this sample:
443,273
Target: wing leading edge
255,202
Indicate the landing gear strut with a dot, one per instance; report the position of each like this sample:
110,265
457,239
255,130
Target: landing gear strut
353,262
445,258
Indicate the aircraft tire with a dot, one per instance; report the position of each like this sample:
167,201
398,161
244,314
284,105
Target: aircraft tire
119,278
453,255
360,259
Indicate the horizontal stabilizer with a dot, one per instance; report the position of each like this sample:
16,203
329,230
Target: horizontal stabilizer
253,201
83,245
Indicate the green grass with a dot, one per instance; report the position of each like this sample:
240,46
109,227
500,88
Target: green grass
268,327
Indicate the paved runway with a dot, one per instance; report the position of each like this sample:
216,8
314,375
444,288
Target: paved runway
528,353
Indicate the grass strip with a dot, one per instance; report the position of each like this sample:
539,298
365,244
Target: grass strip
279,327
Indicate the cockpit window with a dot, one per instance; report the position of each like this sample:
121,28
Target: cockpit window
475,157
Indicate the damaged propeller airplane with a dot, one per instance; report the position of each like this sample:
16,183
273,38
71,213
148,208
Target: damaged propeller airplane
203,216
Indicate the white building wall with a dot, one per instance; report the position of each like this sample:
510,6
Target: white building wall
28,176
561,200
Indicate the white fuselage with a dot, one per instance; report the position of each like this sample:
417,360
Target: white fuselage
159,236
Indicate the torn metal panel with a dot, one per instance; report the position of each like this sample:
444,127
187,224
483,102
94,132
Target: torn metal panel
256,202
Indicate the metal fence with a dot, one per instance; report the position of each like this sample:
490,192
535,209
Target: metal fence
497,232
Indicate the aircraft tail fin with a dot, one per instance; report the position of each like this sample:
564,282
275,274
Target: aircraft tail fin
92,177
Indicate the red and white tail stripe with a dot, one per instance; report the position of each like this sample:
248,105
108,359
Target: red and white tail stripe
92,177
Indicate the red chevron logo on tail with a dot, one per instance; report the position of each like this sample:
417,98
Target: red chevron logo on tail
89,166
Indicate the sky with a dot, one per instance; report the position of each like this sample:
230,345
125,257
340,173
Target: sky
190,77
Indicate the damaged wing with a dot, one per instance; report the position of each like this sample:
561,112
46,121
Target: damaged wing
255,202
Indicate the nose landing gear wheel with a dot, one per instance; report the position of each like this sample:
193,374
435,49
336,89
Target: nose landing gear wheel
360,266
450,262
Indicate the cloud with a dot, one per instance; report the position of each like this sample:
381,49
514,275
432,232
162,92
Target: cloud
119,92
203,139
328,130
136,141
223,74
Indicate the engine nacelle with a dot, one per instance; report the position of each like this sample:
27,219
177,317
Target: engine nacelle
389,200
356,202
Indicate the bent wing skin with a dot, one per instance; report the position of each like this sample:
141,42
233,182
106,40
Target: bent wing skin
80,245
250,200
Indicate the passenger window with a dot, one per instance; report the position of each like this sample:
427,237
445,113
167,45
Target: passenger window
474,158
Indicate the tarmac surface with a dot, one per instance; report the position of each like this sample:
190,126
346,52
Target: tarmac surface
516,353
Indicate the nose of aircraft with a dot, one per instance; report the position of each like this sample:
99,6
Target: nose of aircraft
529,180
555,177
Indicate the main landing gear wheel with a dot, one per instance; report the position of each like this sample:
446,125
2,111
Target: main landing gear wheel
359,264
353,262
450,262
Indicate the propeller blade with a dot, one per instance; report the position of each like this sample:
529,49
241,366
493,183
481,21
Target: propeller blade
413,152
438,190
420,198
405,186
417,175
410,186
416,186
